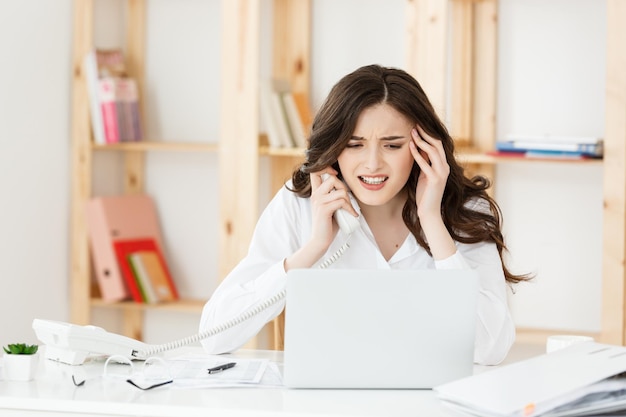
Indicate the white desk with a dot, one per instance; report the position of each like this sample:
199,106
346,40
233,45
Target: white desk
53,394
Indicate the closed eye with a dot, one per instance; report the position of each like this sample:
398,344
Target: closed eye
394,142
354,145
394,145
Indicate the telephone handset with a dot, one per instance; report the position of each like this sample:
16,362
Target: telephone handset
71,343
346,221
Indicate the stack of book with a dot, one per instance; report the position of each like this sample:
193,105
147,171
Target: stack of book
550,147
127,250
113,98
286,114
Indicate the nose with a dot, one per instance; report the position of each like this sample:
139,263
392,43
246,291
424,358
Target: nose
374,160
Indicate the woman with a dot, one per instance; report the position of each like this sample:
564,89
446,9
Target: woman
377,150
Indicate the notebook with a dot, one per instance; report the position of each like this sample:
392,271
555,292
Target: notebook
376,329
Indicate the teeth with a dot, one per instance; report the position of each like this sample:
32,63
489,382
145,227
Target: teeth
373,180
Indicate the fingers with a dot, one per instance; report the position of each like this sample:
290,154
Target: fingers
432,146
427,151
317,178
332,192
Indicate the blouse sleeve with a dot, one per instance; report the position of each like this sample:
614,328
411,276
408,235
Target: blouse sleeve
495,330
257,277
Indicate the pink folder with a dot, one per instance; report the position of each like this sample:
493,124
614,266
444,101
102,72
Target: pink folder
110,219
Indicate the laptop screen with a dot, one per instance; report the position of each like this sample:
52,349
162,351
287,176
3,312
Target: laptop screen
379,328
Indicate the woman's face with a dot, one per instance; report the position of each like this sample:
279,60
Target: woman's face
377,162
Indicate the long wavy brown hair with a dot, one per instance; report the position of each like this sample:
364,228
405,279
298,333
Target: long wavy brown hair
335,123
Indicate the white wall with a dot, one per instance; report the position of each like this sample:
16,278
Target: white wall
552,67
551,80
35,70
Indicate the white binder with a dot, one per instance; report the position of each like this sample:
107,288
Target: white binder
540,385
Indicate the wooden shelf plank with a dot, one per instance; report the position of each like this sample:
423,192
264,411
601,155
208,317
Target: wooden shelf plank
159,146
183,306
486,159
269,151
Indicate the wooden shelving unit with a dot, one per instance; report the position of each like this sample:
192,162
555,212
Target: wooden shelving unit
468,26
83,148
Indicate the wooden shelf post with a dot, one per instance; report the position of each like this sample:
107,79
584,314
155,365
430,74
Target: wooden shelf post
614,215
239,130
80,291
291,61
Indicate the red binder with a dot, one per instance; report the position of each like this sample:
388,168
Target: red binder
124,249
110,219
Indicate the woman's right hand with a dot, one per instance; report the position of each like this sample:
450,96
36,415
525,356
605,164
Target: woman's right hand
327,196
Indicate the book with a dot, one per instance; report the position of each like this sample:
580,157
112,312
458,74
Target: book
274,116
113,98
143,282
584,146
154,281
127,106
91,75
288,113
109,108
100,63
124,249
296,125
122,118
135,114
545,153
117,218
541,154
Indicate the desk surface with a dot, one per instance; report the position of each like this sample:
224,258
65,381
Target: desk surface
53,393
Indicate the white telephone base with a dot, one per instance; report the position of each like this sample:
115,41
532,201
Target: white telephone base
71,344
65,355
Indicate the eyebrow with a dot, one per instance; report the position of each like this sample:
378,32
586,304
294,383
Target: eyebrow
383,138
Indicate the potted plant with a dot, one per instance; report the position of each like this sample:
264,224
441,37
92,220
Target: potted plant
20,361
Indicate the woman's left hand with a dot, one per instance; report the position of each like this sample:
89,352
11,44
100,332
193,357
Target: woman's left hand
430,156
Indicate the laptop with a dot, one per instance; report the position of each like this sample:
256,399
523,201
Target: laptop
375,329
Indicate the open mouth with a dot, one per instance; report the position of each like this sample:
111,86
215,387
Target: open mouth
373,180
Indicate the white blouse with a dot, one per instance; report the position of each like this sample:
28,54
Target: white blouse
285,225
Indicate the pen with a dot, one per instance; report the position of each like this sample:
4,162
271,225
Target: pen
221,367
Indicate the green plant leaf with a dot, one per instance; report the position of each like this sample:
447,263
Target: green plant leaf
21,349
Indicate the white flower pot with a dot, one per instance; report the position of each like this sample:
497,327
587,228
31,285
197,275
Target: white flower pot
20,367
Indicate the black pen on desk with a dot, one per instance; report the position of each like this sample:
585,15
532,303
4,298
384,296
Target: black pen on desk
222,367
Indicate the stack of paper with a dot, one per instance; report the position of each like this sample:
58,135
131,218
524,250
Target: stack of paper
569,382
190,371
